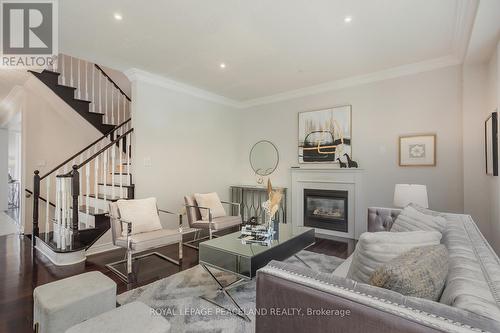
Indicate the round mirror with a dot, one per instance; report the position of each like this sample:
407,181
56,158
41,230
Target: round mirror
264,158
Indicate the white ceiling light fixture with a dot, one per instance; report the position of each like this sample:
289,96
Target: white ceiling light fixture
118,16
222,65
348,19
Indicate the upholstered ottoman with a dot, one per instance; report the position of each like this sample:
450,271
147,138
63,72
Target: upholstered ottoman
61,304
133,317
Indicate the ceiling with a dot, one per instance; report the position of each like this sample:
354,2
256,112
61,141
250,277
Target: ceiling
269,47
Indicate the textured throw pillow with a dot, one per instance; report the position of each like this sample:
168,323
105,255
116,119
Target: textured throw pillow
142,213
212,201
377,248
411,219
425,211
420,272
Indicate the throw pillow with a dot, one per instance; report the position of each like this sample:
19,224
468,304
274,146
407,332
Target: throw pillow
142,213
411,219
425,210
377,248
212,201
420,272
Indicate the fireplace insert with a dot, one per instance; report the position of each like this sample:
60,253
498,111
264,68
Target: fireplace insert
326,209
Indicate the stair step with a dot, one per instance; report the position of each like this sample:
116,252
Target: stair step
92,210
101,197
116,185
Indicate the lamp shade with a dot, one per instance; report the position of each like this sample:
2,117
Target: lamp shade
405,194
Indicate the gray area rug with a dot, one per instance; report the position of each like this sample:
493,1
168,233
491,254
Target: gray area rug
177,297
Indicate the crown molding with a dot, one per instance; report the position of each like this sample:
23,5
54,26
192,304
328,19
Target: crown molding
387,74
465,16
135,74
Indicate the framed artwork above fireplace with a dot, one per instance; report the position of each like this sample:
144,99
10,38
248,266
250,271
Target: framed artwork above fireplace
325,135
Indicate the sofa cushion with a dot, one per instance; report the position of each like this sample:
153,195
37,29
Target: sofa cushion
212,201
142,213
411,219
219,223
473,281
420,272
377,248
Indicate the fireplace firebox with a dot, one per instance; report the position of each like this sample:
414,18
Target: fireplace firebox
326,209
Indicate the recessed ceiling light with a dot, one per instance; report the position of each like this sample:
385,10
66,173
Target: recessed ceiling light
347,19
118,17
222,65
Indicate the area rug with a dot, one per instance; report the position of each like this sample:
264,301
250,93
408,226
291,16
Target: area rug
177,297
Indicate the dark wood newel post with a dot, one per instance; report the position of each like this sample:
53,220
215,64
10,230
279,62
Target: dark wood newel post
75,191
36,196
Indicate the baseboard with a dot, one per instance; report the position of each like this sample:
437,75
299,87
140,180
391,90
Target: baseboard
95,249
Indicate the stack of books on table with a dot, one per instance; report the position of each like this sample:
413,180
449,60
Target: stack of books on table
260,234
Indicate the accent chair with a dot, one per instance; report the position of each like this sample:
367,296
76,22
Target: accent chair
129,233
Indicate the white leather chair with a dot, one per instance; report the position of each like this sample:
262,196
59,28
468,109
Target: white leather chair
213,224
140,242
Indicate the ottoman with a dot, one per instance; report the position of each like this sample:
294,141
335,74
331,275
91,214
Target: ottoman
130,318
61,304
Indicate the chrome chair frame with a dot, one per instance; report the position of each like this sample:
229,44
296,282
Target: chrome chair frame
129,254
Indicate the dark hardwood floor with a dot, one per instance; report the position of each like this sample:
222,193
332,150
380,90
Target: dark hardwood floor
21,272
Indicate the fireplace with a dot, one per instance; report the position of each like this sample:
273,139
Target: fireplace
326,209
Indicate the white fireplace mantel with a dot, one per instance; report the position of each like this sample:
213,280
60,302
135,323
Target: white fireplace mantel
350,180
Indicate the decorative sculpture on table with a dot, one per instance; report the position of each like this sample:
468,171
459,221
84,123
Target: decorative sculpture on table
263,233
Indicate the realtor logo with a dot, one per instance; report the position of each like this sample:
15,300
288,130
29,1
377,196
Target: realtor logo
29,32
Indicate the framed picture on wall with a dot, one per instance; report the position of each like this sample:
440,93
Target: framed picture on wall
325,135
491,144
417,150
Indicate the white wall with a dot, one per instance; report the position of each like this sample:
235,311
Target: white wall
493,101
428,102
475,111
4,168
191,145
52,131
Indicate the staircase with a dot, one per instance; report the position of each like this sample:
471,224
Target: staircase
70,202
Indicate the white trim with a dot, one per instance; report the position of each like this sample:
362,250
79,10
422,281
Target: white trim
60,259
99,248
135,74
387,74
465,17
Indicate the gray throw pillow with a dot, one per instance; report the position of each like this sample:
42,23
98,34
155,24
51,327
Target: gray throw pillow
420,272
410,219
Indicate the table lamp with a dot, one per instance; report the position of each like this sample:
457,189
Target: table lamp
405,194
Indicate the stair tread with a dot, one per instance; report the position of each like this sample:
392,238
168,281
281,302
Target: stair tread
108,197
92,210
80,241
116,185
121,173
64,86
82,100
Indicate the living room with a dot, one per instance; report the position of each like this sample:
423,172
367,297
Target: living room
283,158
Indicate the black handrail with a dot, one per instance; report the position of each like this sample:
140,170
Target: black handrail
78,166
41,198
84,149
113,82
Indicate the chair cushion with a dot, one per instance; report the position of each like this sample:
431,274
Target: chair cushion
219,223
420,272
377,248
142,213
132,317
411,219
153,239
212,201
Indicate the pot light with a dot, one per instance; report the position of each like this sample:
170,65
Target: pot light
118,16
348,19
222,65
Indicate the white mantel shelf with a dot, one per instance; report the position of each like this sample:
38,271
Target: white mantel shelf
347,179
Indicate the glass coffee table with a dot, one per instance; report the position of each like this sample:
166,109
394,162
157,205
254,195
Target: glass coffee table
229,254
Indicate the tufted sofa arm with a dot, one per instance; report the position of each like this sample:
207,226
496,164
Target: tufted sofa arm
381,219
